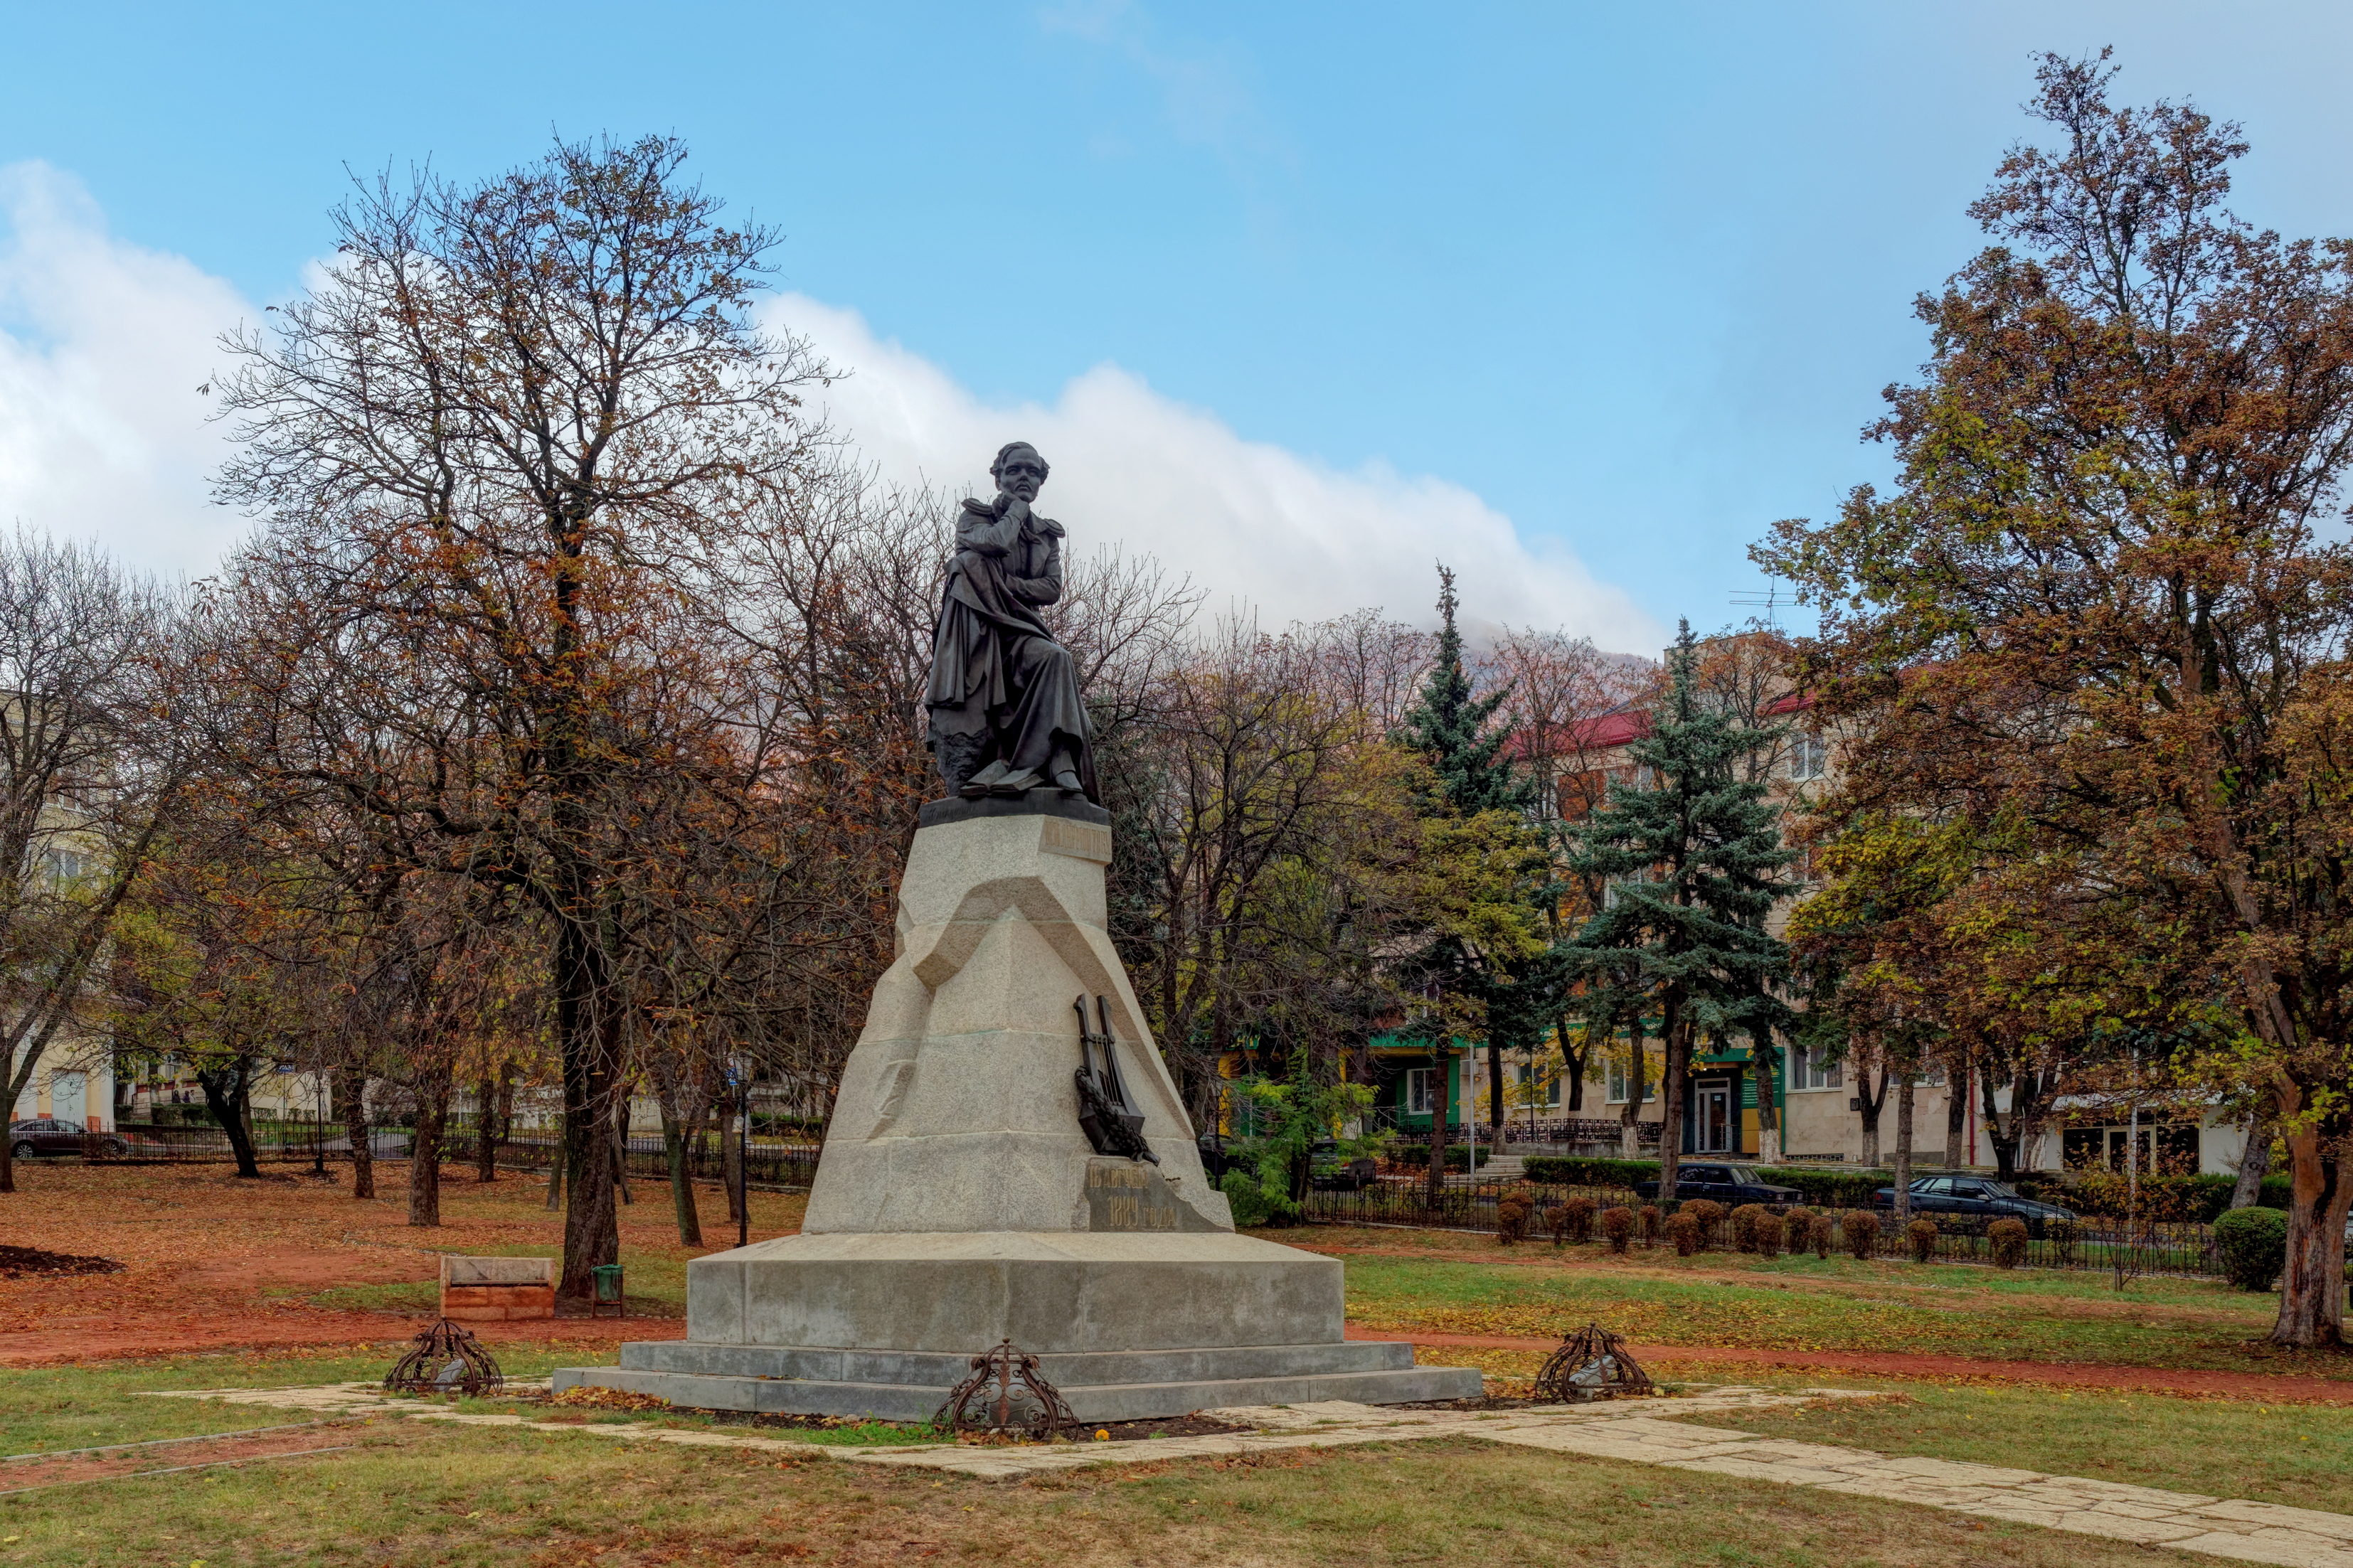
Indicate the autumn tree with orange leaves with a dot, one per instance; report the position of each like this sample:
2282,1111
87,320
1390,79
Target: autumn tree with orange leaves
2106,606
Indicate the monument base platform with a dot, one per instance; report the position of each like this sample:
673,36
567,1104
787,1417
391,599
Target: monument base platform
1129,1326
1117,1385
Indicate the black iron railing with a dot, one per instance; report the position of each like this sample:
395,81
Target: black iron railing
2089,1243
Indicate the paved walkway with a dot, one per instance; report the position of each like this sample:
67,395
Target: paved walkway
1631,1431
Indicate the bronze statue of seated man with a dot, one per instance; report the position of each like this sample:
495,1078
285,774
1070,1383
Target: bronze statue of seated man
1006,716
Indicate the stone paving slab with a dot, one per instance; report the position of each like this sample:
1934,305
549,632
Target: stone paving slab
1637,1431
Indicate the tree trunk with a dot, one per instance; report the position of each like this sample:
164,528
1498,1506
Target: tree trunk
1904,1097
2254,1163
1957,1112
1629,1121
620,1146
1439,1102
351,1089
1867,1106
675,1146
1766,1060
8,1144
588,1032
1670,1101
228,1093
2312,1287
731,1160
555,1173
487,1133
1572,1063
425,1156
1495,1094
2002,1130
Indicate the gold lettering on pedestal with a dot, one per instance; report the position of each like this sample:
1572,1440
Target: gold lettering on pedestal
1124,1196
1080,840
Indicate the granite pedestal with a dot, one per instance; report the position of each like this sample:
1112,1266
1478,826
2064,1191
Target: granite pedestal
957,1203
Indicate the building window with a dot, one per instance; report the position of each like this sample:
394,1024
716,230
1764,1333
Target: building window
1616,1089
1417,1091
1809,756
1547,1091
1813,1069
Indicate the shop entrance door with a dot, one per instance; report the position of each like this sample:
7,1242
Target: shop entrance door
1714,1130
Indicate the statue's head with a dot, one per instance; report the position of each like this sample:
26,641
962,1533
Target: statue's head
1019,471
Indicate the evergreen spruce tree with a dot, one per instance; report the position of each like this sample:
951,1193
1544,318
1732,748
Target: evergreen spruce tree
1476,807
1693,860
1448,726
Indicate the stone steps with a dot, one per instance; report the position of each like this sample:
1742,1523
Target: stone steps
1090,1402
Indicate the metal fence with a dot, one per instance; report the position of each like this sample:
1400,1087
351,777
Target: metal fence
2090,1243
768,1163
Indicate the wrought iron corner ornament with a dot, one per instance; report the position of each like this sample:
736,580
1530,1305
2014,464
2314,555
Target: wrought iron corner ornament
446,1359
1006,1395
1110,1120
1591,1364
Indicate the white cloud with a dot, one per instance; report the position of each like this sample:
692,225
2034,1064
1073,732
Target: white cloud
103,436
1246,519
103,345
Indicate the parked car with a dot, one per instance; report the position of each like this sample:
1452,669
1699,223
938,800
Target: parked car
48,1135
1974,1202
1730,1186
1327,1172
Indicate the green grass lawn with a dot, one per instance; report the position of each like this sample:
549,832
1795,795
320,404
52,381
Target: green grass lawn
418,1493
432,1493
2299,1454
45,1409
1806,1304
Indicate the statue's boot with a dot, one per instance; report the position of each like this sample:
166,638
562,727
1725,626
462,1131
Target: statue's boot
1067,781
978,785
1021,783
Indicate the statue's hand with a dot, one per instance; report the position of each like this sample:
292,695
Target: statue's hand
1013,507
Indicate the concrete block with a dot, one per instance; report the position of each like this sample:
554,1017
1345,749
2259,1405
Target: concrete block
497,1289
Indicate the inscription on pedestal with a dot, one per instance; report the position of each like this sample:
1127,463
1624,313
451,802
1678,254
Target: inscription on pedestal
1080,840
1128,1195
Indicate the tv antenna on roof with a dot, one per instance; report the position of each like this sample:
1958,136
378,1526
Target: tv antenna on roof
1768,601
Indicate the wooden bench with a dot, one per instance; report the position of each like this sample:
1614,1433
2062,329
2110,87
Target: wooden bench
497,1289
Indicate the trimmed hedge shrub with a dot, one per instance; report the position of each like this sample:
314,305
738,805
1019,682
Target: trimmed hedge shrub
1511,1218
2008,1239
1767,1234
1744,1226
1618,1225
1862,1228
1682,1230
1573,1221
2253,1245
1650,1224
1706,1213
1922,1234
1822,1231
1571,1173
2200,1200
1823,1188
1458,1155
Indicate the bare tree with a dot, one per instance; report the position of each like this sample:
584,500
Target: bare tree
90,770
510,419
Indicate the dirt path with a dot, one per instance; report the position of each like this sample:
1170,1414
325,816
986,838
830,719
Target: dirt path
2283,1389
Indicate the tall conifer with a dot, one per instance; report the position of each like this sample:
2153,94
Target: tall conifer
1474,808
1692,858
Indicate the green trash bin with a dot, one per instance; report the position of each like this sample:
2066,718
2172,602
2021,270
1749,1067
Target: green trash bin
608,1291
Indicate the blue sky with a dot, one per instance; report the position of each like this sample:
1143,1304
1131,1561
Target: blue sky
1625,280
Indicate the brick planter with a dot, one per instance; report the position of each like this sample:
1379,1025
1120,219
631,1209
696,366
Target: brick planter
497,1289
